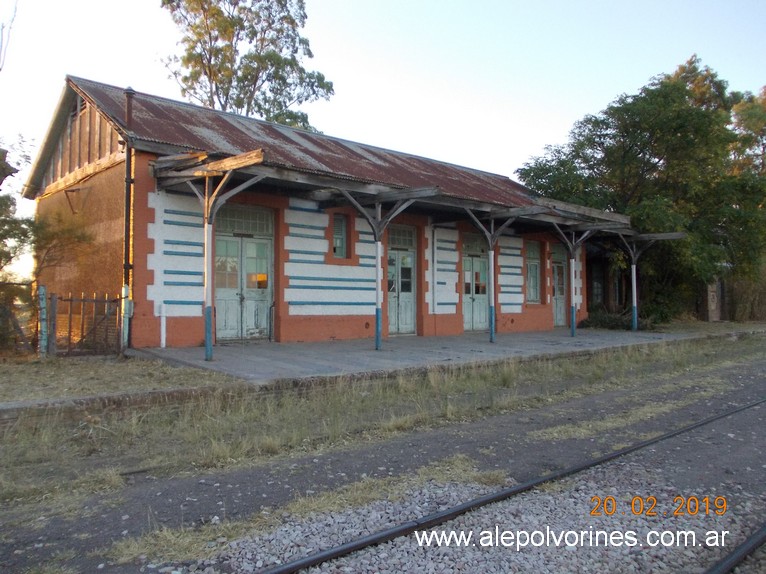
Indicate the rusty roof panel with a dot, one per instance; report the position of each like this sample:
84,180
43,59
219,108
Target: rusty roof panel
188,127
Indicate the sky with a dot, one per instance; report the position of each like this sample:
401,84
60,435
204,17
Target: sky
481,83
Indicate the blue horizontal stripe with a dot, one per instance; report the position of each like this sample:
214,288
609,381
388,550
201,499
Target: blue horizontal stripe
366,241
177,242
306,236
308,261
181,302
335,303
194,273
180,212
445,262
371,265
440,304
332,287
181,223
344,279
441,282
305,252
183,284
307,226
183,253
445,270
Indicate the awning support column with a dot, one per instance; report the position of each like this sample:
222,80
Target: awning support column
211,202
635,252
207,307
492,235
378,223
572,246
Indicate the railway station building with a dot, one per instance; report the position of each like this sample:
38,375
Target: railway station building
219,227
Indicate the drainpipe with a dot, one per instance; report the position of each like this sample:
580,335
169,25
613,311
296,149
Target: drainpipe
126,263
127,266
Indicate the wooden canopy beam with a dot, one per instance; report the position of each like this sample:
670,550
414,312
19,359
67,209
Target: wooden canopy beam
585,211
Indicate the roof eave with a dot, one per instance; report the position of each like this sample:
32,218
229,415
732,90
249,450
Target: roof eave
32,187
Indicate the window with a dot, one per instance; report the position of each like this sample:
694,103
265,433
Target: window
401,237
340,236
239,219
533,271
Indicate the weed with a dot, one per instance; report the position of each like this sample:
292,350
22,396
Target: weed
237,425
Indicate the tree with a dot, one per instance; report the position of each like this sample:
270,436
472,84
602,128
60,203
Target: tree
15,232
5,36
666,156
245,56
750,125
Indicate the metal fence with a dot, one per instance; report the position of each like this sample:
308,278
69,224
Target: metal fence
82,325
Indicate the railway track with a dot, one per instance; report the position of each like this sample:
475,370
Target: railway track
434,520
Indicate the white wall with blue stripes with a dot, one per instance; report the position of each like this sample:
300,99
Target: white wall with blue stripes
510,278
446,295
315,287
178,259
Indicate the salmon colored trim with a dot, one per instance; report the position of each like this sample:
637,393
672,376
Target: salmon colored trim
352,237
144,326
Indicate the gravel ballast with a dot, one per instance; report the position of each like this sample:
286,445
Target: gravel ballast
552,528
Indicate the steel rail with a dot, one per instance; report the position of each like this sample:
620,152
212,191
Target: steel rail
437,518
731,560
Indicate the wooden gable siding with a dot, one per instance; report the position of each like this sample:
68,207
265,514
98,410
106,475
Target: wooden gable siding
86,139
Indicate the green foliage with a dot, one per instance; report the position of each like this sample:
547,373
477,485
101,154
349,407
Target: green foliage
684,154
15,232
58,241
245,56
750,125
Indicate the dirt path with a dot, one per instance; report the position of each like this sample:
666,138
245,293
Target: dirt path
72,537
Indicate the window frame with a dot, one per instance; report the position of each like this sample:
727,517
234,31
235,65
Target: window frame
339,240
533,270
352,237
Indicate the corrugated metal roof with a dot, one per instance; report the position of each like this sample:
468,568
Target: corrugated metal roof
185,126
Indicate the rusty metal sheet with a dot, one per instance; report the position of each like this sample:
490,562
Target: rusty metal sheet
188,127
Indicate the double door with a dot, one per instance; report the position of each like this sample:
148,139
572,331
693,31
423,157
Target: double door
243,287
401,292
475,301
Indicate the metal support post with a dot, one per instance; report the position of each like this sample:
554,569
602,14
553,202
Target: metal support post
634,289
43,318
208,278
491,293
378,294
573,310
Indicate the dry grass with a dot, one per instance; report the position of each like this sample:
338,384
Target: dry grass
53,456
30,378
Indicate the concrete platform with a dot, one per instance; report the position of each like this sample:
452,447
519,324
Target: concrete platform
263,362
